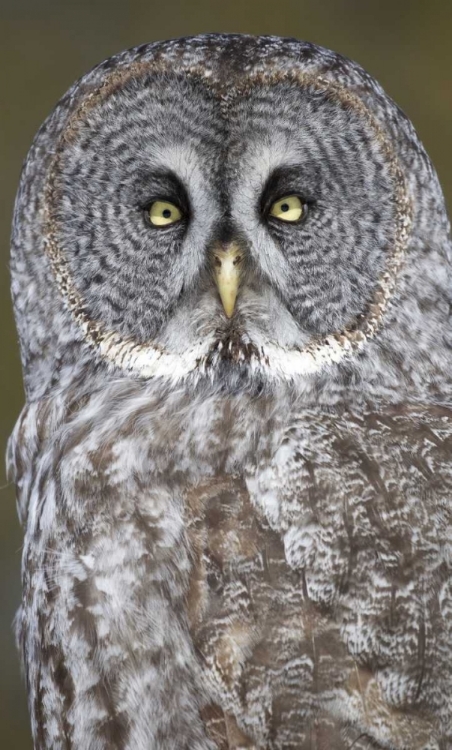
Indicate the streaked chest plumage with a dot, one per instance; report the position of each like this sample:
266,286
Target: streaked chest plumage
308,557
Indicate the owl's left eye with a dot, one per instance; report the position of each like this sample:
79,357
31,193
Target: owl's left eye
162,213
289,208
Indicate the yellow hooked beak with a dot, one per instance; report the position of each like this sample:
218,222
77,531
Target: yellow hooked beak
227,271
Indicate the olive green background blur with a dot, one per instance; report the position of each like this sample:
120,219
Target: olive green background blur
46,44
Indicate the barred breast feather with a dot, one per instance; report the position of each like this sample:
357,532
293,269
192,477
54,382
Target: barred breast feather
294,593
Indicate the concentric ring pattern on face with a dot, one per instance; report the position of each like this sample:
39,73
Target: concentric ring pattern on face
176,136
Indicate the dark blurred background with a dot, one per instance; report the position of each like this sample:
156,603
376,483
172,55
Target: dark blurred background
46,44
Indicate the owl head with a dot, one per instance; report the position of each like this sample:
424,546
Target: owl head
235,209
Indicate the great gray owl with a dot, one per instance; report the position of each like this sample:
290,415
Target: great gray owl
231,280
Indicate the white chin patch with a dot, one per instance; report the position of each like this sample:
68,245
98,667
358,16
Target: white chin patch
203,358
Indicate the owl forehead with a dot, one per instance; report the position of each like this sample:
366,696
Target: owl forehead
214,137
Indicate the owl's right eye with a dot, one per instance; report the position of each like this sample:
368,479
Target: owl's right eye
163,213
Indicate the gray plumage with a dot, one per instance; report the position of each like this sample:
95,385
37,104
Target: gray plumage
237,531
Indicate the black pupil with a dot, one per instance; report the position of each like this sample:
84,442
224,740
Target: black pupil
166,213
284,207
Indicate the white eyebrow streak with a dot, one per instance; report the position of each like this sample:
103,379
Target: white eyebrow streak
260,160
185,162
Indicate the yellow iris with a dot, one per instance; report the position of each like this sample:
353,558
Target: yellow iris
162,213
289,208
